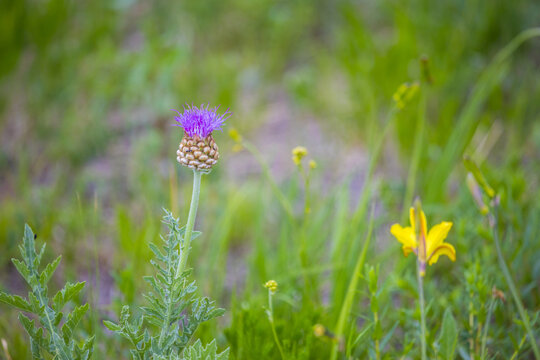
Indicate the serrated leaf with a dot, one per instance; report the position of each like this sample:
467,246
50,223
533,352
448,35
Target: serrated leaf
60,349
198,352
448,337
46,274
58,318
73,319
16,301
112,326
88,347
69,291
28,251
22,269
27,324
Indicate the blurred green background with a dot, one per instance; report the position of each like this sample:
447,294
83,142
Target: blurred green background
88,151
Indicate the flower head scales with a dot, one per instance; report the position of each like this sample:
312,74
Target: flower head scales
201,121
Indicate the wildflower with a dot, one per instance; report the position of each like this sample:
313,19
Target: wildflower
235,135
271,285
312,164
427,246
319,330
198,150
404,94
298,153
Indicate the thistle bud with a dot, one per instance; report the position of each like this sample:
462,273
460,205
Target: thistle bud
198,150
197,153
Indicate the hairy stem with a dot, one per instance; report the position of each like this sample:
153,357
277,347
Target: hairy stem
512,286
186,243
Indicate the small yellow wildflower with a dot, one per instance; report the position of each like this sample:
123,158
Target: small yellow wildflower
271,285
312,164
427,246
404,94
298,153
319,330
235,135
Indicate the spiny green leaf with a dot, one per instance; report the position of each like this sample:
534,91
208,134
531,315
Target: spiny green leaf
112,326
28,251
198,352
58,318
46,275
73,319
23,269
16,301
448,337
60,349
69,291
27,324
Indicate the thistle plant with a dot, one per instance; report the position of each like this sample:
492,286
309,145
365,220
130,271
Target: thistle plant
174,310
53,334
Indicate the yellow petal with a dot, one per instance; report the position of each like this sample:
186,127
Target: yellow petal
404,235
412,218
443,249
423,221
436,236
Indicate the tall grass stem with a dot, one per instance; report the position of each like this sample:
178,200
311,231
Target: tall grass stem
349,297
416,155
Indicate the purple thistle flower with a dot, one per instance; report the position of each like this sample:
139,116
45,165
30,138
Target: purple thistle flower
200,121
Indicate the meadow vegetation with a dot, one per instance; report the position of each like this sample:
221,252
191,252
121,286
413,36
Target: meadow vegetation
345,115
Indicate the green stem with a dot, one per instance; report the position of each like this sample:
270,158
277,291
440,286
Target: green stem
374,158
422,310
417,152
266,170
512,286
377,345
186,242
349,297
271,319
486,328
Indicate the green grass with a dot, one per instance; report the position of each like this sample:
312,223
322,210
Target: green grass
87,159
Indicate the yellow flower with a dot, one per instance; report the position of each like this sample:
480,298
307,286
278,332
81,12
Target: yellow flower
404,94
427,246
235,135
271,285
312,164
298,153
319,330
